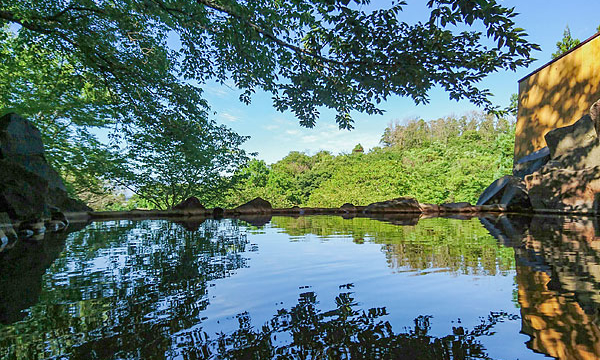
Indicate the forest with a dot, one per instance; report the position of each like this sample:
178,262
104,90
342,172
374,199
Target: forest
450,159
116,90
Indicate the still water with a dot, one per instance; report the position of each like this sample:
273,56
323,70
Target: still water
315,287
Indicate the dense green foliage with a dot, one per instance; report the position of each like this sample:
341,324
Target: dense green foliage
565,44
444,160
167,154
308,53
133,71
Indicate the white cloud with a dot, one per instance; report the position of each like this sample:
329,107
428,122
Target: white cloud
229,117
271,127
292,132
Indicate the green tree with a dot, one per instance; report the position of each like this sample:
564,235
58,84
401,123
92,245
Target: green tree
513,107
308,53
180,157
65,106
127,66
565,44
358,149
441,160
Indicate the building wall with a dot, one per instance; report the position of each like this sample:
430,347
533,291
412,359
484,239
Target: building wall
557,95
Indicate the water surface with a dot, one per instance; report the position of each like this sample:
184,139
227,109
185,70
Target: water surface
315,287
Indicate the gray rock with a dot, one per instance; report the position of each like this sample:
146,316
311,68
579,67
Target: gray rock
23,195
595,115
516,197
55,225
28,184
509,192
398,205
563,140
577,158
56,214
347,208
18,137
38,227
493,193
25,233
531,163
563,190
255,206
191,203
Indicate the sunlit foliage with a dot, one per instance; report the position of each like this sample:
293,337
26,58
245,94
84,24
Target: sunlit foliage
443,160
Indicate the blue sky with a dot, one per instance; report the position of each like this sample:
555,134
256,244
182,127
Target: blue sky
274,134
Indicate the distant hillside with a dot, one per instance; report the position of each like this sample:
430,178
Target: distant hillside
445,160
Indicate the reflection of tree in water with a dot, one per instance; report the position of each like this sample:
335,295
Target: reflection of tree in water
304,332
463,247
121,289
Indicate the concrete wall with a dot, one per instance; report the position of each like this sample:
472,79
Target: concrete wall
557,95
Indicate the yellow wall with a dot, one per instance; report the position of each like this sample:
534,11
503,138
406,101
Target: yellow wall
557,95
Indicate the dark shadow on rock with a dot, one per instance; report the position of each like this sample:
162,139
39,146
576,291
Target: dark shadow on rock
218,213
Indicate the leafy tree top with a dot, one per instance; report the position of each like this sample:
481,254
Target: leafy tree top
358,149
307,53
565,44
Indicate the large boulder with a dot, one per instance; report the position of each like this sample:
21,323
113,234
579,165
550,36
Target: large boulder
29,186
578,158
508,191
459,207
563,190
255,206
22,194
191,203
398,205
531,163
579,134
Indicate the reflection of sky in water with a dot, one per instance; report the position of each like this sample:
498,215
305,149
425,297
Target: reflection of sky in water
281,270
156,280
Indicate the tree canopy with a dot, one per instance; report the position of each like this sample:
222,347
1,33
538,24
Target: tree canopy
565,44
307,53
449,159
133,70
